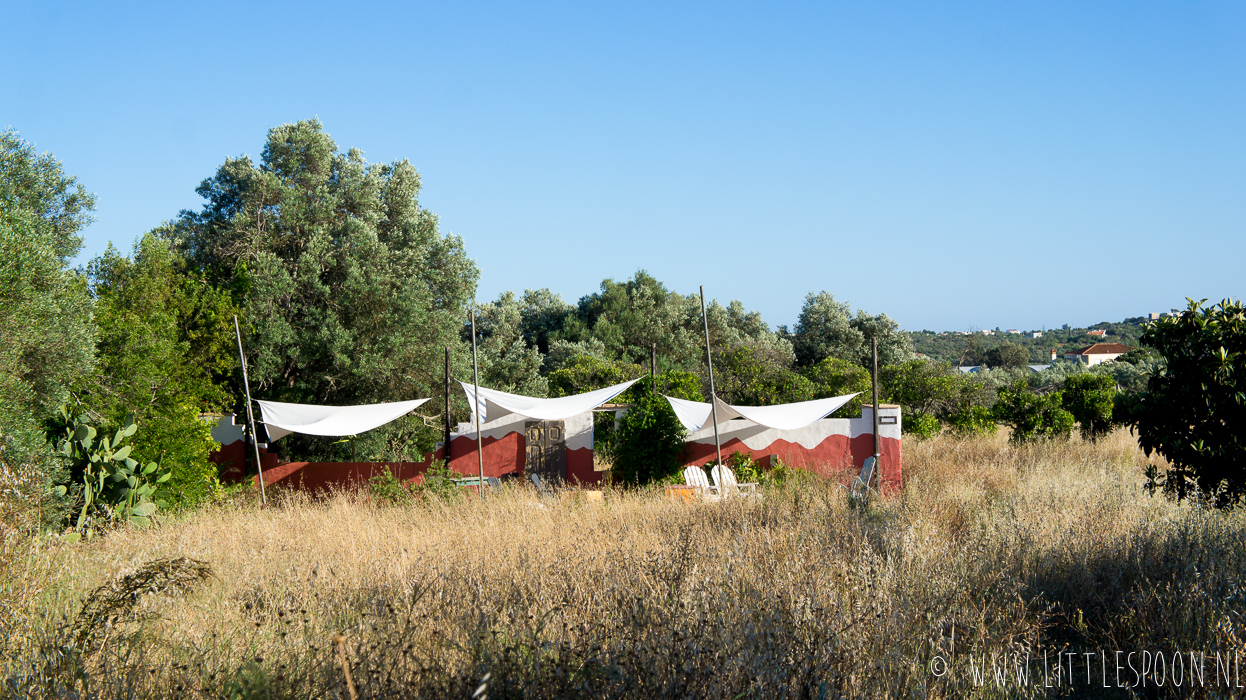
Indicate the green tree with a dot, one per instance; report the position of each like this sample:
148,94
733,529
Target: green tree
507,362
922,386
1090,398
350,290
753,375
1007,354
824,329
543,314
166,353
1194,406
835,377
34,189
45,311
630,318
588,373
827,328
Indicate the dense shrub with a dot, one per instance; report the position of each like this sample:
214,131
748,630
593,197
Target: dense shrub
1033,416
1090,397
921,425
648,443
974,420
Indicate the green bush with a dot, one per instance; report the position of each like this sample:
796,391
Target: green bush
649,442
1033,416
388,488
921,425
439,483
181,442
745,468
974,420
1090,398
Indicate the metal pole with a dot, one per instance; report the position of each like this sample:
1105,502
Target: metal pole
246,384
713,396
480,450
653,369
446,449
874,347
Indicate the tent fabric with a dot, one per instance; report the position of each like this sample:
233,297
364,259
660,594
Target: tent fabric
696,415
281,419
495,404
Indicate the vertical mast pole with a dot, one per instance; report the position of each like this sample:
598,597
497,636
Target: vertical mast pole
445,452
480,450
709,361
255,442
874,348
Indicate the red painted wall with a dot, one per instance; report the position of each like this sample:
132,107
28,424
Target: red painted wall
507,456
836,457
502,457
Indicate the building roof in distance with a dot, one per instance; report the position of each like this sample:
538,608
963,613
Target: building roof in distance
1103,349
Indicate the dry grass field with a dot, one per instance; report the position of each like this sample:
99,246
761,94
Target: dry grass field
993,552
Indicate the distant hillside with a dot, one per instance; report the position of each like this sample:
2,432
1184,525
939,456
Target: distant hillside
955,346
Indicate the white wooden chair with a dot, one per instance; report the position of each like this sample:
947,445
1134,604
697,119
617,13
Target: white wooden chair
695,476
728,486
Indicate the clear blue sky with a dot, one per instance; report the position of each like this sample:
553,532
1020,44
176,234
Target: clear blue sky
1012,164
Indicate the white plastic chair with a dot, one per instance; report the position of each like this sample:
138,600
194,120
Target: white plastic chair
728,486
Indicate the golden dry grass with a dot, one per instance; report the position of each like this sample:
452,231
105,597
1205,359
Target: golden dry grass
991,549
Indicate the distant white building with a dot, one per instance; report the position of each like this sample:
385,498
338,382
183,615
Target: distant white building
1013,331
1097,353
1036,334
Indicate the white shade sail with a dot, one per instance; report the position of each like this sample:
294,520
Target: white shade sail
696,415
281,419
496,404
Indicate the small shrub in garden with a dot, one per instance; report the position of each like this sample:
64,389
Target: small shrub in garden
1090,398
975,420
387,488
745,468
921,425
1032,416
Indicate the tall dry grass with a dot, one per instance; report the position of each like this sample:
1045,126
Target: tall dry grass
991,550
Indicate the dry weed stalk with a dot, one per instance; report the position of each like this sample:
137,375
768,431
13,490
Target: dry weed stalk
1004,549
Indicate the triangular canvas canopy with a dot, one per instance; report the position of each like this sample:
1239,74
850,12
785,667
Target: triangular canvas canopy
696,415
281,419
495,404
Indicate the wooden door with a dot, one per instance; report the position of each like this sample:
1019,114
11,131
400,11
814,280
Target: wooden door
546,450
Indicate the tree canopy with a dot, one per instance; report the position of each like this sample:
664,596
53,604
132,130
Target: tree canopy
45,311
350,290
828,328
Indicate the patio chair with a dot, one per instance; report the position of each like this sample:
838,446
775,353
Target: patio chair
728,486
541,487
859,488
695,476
